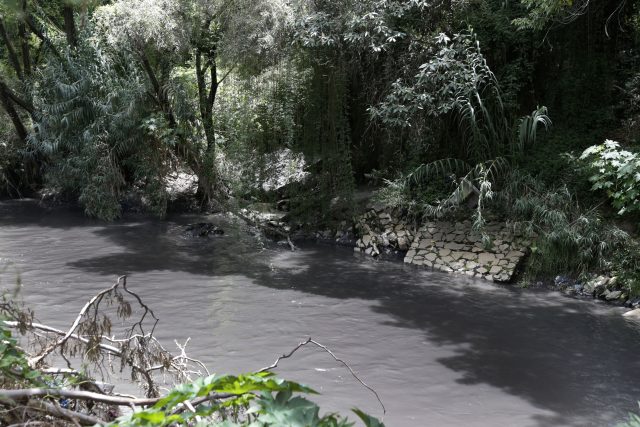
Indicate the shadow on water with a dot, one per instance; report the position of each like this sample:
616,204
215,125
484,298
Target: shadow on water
554,353
561,355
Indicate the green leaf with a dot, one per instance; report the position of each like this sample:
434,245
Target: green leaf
368,420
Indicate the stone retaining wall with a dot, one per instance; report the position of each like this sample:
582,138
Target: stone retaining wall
380,230
444,246
455,247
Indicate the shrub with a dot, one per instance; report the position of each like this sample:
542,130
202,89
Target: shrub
615,171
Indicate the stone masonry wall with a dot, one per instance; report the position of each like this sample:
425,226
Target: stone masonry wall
455,247
446,246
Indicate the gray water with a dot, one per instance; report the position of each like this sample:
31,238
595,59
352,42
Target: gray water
440,350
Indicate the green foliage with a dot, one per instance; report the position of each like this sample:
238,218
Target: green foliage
633,421
440,188
12,173
542,13
615,171
257,399
256,118
97,132
456,80
528,128
14,369
568,238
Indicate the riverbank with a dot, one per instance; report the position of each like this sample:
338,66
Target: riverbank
497,254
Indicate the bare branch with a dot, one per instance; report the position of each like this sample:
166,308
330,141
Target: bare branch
58,412
89,395
33,362
346,365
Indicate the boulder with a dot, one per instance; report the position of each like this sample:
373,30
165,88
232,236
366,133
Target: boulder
633,314
613,295
596,286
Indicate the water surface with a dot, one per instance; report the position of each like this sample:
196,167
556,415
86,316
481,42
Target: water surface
440,350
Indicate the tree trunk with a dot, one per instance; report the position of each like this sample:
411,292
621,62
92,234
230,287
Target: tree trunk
23,33
8,106
70,26
206,100
161,97
13,57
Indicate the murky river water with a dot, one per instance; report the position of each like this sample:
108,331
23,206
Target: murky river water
440,350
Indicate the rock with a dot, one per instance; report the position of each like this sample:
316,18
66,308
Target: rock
376,251
486,258
431,257
600,291
502,277
402,244
424,244
613,295
453,246
598,281
366,239
633,314
495,270
635,302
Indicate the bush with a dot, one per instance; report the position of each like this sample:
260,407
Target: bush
615,171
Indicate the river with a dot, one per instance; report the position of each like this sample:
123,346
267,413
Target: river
440,350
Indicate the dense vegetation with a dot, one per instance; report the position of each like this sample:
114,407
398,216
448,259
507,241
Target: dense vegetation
103,100
531,105
106,101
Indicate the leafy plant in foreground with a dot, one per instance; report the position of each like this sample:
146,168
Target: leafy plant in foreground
257,399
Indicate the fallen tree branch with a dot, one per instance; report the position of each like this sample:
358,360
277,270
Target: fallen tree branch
33,362
58,412
106,347
19,394
324,348
137,350
76,394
